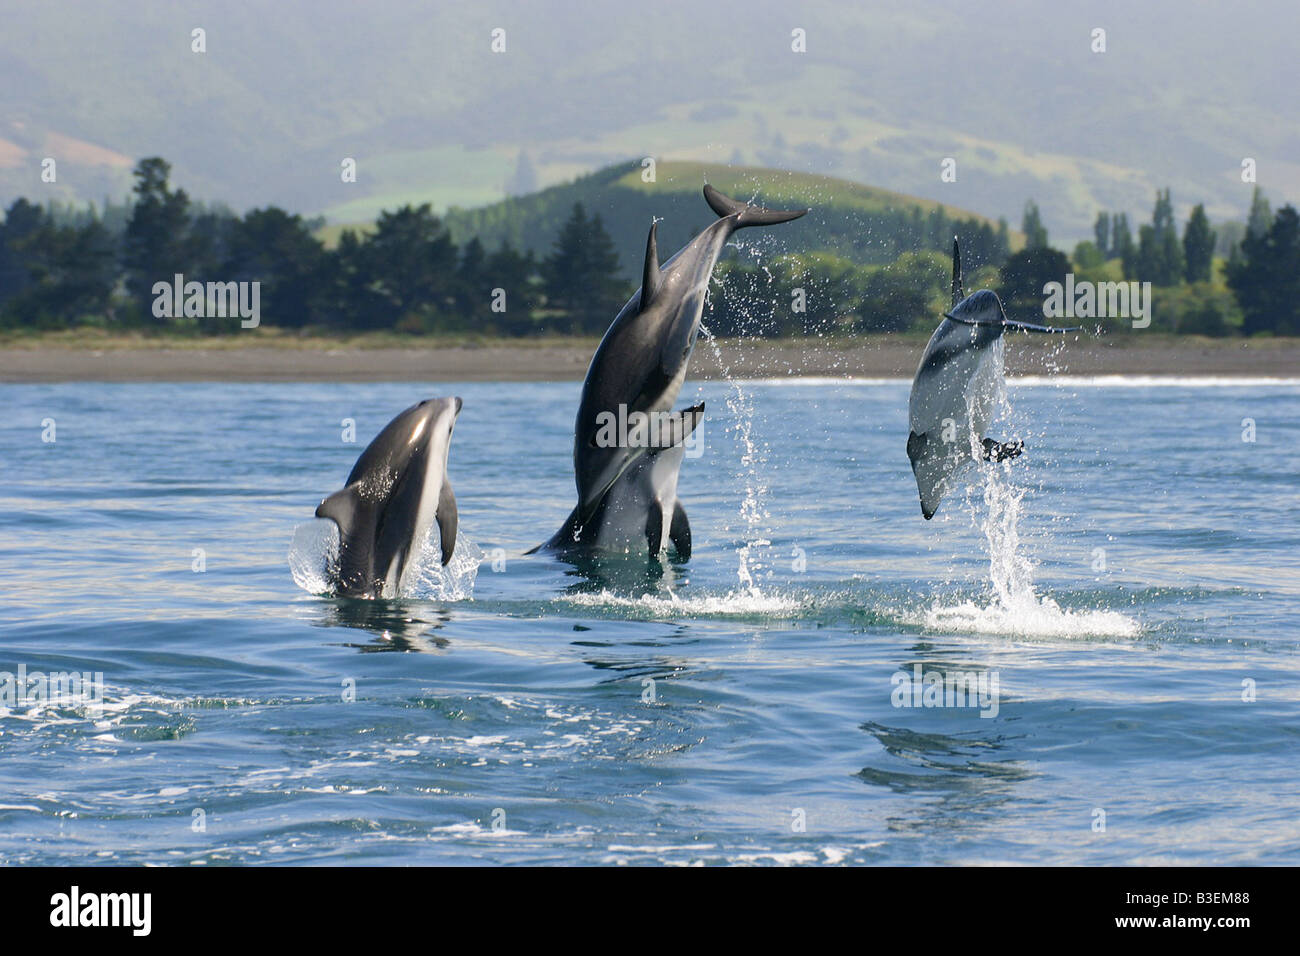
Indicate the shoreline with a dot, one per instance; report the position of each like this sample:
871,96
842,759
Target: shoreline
286,360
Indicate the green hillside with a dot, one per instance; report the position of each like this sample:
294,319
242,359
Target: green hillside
862,223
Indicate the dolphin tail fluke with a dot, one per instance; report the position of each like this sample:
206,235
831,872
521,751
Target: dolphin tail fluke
746,214
957,294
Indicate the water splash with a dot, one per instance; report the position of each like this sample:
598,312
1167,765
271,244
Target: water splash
753,511
314,554
1015,607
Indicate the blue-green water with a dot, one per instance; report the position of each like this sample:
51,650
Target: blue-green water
1128,581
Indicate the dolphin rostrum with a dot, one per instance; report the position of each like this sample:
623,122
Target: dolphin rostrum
956,388
397,490
628,441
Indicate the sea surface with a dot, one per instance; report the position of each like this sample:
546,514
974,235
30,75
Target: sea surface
1121,602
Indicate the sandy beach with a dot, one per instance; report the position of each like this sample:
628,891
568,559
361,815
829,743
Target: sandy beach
235,360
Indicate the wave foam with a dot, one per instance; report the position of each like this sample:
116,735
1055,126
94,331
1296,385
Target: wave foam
1030,616
735,603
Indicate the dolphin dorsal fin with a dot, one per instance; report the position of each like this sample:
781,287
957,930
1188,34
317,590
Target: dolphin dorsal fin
341,507
957,294
650,277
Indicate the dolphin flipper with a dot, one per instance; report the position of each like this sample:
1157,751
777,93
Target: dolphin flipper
747,215
1002,451
341,507
679,532
448,519
676,427
654,530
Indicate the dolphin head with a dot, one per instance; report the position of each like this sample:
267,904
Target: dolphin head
417,438
396,490
982,313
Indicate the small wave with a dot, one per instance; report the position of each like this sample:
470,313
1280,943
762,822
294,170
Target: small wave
736,603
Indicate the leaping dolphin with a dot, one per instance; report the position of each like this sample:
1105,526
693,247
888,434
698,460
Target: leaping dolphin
397,490
627,477
955,389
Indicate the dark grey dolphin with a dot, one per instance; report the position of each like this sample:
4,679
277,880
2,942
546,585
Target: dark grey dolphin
956,388
397,490
627,477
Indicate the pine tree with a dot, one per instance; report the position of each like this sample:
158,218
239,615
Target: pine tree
1032,226
1266,277
1261,217
581,273
1159,257
1101,230
156,244
1121,245
1198,246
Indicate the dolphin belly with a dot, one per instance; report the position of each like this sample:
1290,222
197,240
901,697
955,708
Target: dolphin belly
949,411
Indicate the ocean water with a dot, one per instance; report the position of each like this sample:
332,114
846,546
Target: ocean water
1122,602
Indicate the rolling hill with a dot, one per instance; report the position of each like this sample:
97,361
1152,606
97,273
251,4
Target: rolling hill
863,223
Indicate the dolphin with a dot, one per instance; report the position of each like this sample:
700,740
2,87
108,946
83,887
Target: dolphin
397,490
627,476
955,390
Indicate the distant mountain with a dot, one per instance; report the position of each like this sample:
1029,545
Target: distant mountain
860,222
412,91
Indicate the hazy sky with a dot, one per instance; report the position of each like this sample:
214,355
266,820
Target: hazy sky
881,93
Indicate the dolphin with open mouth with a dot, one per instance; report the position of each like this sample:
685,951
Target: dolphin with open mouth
397,491
628,440
955,390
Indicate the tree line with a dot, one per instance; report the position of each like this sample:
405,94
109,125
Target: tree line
62,267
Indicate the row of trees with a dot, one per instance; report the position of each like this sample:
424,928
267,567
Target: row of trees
58,270
61,267
1256,289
